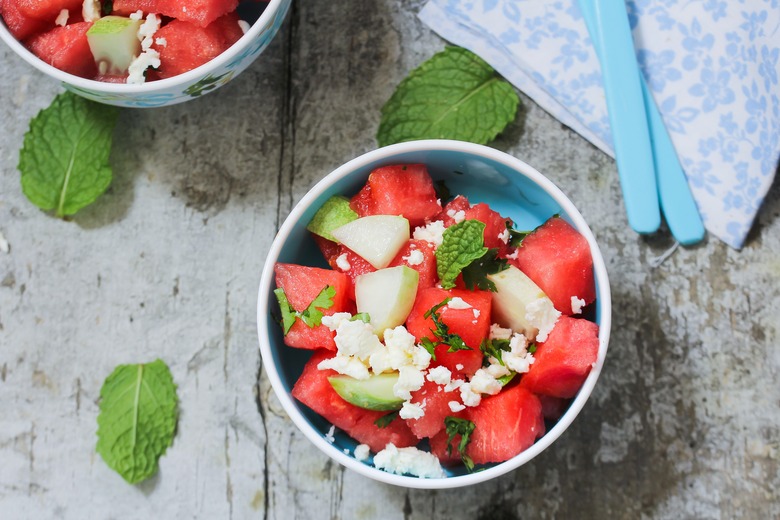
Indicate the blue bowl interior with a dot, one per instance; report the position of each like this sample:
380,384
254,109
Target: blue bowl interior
505,189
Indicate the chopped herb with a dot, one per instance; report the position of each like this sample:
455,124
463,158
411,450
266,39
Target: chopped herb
504,380
312,315
494,348
532,348
476,273
463,427
442,331
385,420
430,346
362,316
516,237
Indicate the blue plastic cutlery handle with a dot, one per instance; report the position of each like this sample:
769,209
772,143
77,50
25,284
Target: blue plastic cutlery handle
608,25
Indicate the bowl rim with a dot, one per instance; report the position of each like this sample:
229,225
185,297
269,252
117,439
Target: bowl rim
153,86
291,408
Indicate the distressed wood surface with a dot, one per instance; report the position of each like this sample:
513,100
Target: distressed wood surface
684,422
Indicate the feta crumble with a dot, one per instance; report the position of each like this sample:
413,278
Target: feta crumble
148,58
504,236
62,18
458,216
458,303
440,375
469,396
484,383
138,15
454,385
147,30
346,365
455,406
499,332
356,338
410,379
408,461
334,320
514,254
90,10
411,410
415,257
362,452
430,233
400,350
518,358
342,262
162,42
576,305
459,366
329,436
541,314
244,25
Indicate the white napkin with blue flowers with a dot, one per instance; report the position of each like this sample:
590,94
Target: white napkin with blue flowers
712,66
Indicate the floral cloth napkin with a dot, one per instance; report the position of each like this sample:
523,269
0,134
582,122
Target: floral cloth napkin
712,66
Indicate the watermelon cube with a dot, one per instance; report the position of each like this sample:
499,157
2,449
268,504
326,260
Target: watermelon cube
66,48
557,258
435,402
47,10
563,361
495,235
188,46
198,12
20,25
315,391
420,256
453,209
405,190
472,324
302,285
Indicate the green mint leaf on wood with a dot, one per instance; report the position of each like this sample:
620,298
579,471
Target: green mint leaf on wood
461,244
137,420
453,95
455,426
312,315
64,160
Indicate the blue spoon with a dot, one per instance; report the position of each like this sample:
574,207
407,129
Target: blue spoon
679,208
608,26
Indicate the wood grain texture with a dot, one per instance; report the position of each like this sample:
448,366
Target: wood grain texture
683,423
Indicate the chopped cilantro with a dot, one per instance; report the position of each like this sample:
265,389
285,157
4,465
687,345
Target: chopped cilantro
463,427
442,331
312,315
494,348
385,420
476,273
430,346
532,348
516,237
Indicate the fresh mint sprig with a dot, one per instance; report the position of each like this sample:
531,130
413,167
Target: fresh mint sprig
463,250
64,159
311,315
453,95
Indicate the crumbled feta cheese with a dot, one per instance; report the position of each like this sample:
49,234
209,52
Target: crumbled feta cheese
148,58
518,358
411,410
454,384
541,314
455,406
346,451
347,365
499,332
468,396
458,303
476,313
410,379
244,25
576,305
147,30
440,375
62,18
342,262
356,338
138,15
421,358
334,320
458,216
483,383
415,257
431,233
459,366
5,247
504,236
496,369
410,461
329,436
400,351
514,254
361,452
162,42
90,10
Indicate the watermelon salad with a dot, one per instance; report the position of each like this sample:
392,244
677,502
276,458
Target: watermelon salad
128,41
440,334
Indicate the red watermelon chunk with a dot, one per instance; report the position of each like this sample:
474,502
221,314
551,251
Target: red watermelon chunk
47,10
405,190
66,48
435,402
563,361
314,390
198,12
302,285
20,25
557,258
426,269
495,226
451,210
505,425
463,322
188,46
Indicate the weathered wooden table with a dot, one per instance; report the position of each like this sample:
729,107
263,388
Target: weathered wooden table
684,423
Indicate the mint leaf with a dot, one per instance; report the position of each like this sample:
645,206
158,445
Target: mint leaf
137,420
385,420
453,95
476,273
461,244
64,160
312,315
463,427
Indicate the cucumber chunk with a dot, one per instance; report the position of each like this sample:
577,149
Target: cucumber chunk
114,43
374,393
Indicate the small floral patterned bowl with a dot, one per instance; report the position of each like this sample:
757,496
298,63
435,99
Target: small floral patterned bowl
191,84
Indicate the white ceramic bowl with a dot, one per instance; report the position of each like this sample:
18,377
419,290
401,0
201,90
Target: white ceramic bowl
191,84
483,174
